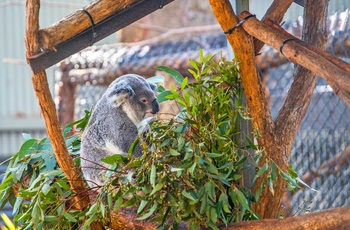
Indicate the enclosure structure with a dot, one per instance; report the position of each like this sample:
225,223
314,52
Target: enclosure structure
331,69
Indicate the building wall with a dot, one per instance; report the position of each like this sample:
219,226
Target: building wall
19,109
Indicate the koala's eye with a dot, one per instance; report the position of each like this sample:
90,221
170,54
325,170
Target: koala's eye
144,100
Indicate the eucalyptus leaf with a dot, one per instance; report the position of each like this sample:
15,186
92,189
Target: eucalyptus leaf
175,74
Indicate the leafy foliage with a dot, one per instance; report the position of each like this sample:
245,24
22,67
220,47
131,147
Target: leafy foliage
37,188
190,170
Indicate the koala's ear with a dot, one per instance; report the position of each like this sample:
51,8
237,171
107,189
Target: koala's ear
121,93
153,86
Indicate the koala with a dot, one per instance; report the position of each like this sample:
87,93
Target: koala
114,124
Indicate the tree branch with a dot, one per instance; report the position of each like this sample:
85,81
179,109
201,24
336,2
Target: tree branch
305,55
337,218
47,105
274,13
78,21
300,93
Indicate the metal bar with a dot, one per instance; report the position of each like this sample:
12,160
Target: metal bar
300,2
241,5
103,29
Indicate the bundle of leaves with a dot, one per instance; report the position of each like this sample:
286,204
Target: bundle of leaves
37,188
192,163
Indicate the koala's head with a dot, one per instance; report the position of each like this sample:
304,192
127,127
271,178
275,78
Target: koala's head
134,95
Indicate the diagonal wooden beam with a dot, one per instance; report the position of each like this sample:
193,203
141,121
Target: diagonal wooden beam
102,29
331,69
274,13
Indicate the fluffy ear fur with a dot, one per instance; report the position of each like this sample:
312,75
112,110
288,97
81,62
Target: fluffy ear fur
121,93
153,86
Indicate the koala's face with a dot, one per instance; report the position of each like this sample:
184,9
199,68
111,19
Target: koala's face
135,96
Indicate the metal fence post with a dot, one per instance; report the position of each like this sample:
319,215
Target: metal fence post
245,125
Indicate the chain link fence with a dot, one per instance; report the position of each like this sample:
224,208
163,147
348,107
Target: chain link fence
320,152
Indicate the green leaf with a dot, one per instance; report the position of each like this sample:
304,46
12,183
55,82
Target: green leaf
187,195
114,158
273,171
8,222
173,152
270,184
150,212
143,204
214,155
56,172
293,174
163,96
63,184
92,210
26,147
211,168
289,179
153,175
175,74
45,189
133,147
242,200
184,83
261,171
204,203
118,204
156,189
213,215
69,217
192,168
26,136
251,144
50,161
156,79
181,143
176,169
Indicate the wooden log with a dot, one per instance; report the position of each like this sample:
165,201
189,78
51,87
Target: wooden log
304,55
242,45
300,93
337,218
79,21
274,13
41,87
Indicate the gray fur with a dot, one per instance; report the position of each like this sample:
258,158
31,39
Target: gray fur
113,125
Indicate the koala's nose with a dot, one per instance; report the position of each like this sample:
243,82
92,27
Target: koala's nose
155,106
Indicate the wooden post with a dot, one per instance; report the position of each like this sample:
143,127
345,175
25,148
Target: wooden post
47,105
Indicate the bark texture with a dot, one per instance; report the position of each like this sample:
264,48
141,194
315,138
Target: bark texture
79,21
331,69
338,218
274,13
